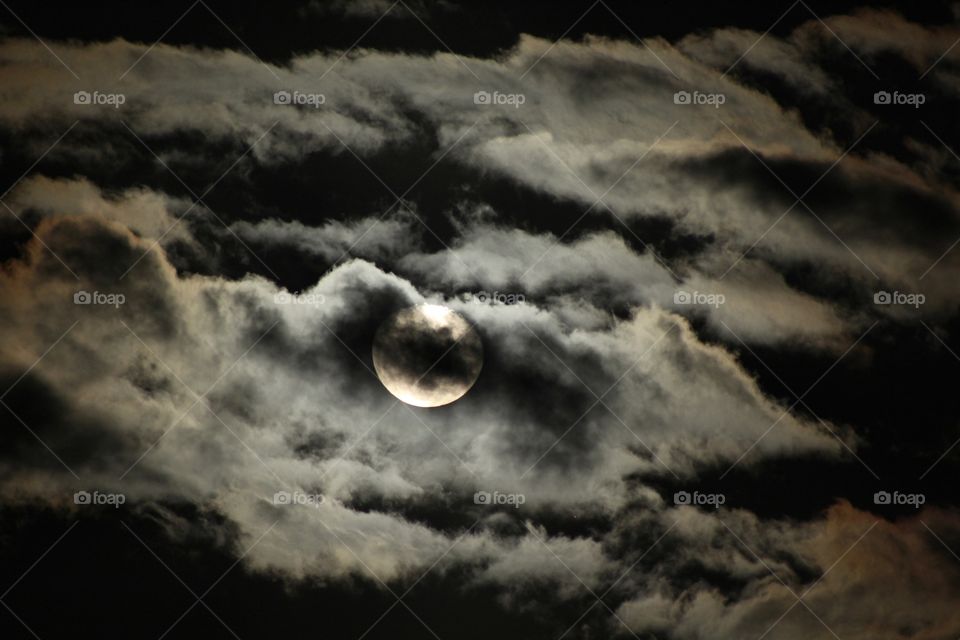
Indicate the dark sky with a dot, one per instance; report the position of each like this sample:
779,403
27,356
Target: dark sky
598,209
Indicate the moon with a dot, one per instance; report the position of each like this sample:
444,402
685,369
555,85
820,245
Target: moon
427,355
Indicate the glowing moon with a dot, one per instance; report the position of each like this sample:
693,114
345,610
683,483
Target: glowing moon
427,355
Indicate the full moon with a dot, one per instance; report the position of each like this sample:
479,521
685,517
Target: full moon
427,355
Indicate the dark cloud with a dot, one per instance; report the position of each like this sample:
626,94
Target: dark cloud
567,232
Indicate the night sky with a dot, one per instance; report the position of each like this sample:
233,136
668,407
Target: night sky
710,255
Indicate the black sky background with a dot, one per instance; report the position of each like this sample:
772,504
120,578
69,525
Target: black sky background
102,578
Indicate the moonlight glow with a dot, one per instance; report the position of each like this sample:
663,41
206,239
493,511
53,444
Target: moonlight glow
427,355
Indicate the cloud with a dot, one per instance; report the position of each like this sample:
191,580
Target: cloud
897,572
696,175
215,388
145,212
758,306
209,391
376,238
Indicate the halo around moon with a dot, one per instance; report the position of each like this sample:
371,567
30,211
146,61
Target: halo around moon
427,355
